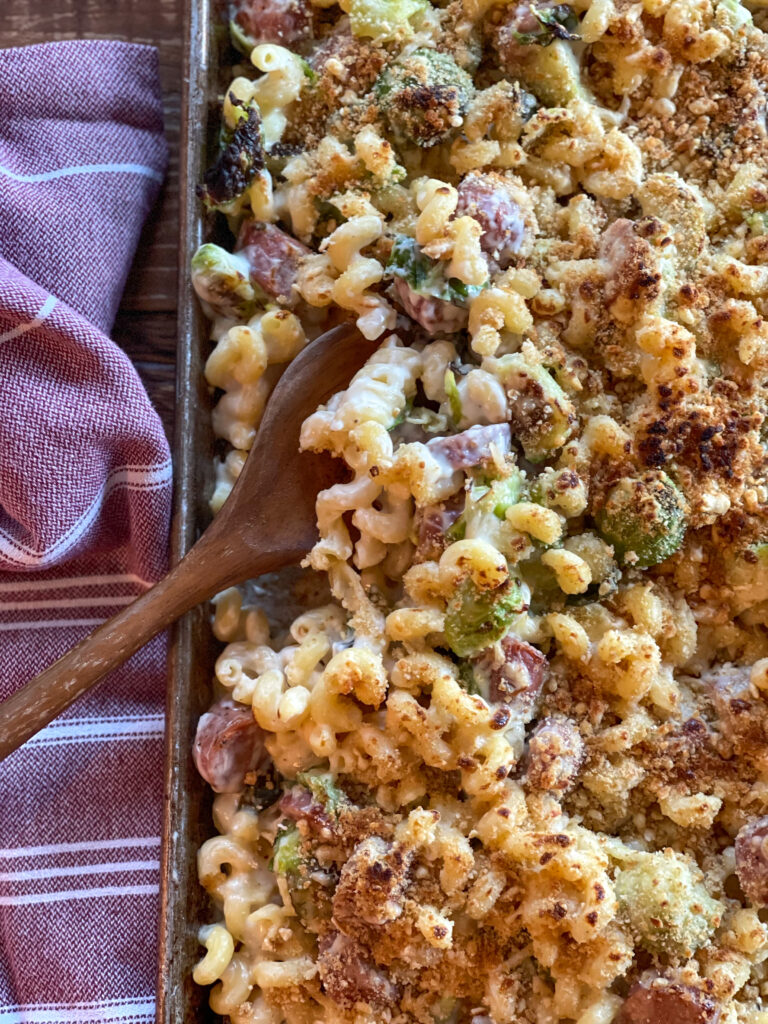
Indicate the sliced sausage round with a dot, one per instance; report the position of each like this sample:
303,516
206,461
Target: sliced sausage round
349,976
435,315
471,447
514,673
432,523
752,861
487,199
273,257
555,755
300,805
274,21
229,744
661,1001
632,274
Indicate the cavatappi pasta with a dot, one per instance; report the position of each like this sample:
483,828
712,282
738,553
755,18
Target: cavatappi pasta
511,767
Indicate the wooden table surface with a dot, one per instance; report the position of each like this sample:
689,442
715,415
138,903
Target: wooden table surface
146,324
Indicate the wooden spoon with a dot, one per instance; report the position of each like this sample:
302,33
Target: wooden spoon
267,522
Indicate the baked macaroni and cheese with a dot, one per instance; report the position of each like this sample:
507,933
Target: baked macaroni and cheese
512,765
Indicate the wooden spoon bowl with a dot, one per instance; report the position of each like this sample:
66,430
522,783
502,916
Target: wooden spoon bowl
266,523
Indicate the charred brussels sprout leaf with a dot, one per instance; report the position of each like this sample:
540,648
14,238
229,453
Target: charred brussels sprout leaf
241,159
424,96
541,414
475,619
644,519
557,22
425,276
222,279
264,792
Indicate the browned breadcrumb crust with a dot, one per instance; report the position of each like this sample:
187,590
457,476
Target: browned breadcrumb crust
719,119
346,67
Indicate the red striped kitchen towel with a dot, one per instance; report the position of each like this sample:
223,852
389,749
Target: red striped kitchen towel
85,481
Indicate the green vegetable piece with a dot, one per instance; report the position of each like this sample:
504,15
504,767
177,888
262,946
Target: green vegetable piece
446,1010
644,519
541,414
730,14
287,854
559,22
424,96
467,677
504,493
240,38
221,279
431,422
328,211
666,904
598,556
325,790
384,19
310,888
241,159
403,415
426,276
309,72
554,74
546,595
454,398
485,511
457,531
757,222
475,619
492,500
406,260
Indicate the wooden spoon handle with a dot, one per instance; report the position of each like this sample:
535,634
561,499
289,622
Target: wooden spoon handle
47,695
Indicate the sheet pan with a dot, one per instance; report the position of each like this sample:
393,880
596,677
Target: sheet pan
187,808
187,811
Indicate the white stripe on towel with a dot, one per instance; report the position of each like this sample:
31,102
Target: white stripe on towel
64,602
71,582
67,172
133,1010
132,477
98,730
51,849
67,895
42,314
111,867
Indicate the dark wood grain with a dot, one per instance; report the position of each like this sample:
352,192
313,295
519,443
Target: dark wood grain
146,323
